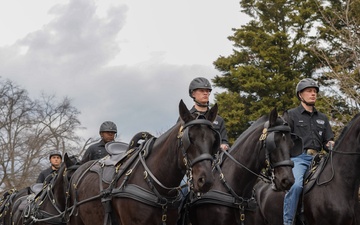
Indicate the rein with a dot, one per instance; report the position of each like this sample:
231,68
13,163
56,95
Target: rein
267,137
152,197
234,200
332,151
38,215
260,175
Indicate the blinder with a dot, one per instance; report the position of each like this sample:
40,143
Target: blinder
268,137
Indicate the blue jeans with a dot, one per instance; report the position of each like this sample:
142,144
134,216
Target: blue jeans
301,165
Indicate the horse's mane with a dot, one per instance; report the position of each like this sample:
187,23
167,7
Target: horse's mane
166,133
254,126
346,129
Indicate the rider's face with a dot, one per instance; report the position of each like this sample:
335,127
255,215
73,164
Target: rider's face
201,95
55,161
107,136
309,95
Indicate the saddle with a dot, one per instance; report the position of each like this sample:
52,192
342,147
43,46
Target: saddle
117,151
310,178
121,156
36,188
314,171
7,198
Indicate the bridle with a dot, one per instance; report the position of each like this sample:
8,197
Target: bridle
268,143
268,139
154,197
185,144
36,214
230,198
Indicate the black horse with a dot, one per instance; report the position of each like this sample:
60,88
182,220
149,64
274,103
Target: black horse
265,144
330,197
9,201
48,205
142,186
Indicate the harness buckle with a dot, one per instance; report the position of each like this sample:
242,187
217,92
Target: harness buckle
263,135
312,152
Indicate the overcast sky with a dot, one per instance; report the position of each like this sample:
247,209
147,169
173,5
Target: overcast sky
128,61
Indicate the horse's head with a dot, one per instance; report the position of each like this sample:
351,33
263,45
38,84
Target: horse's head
61,180
278,143
200,142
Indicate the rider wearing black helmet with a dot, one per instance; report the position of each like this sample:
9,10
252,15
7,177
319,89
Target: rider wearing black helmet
315,130
55,158
107,133
199,90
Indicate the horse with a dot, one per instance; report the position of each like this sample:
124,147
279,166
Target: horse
142,186
47,206
265,144
7,202
329,198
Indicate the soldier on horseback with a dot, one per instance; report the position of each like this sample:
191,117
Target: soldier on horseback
107,131
315,130
199,91
55,158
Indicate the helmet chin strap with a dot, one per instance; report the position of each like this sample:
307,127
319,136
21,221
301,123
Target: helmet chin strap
201,105
56,167
306,103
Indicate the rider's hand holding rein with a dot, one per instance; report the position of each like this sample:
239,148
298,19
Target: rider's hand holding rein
224,147
330,145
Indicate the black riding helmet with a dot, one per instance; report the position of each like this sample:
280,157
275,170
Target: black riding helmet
199,82
306,83
108,126
55,152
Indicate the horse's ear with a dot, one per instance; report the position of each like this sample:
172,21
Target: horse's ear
273,117
211,115
286,116
67,159
184,112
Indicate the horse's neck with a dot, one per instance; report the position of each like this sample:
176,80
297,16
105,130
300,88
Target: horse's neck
58,190
239,177
164,160
344,168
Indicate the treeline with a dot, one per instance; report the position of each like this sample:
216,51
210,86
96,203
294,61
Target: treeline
286,41
29,130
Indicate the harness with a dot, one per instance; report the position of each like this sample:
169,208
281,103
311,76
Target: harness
5,202
126,167
230,198
35,212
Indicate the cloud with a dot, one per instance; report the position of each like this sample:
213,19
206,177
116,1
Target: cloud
71,55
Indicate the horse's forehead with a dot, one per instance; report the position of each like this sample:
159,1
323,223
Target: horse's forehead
198,132
203,137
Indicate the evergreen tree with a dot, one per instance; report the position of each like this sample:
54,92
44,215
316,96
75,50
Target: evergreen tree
271,54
